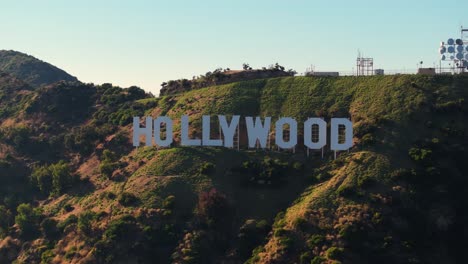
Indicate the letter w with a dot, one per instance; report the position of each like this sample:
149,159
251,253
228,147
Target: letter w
258,131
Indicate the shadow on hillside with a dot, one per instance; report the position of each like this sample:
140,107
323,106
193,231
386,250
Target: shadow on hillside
82,188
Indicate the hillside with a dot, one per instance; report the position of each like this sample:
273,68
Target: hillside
31,70
89,197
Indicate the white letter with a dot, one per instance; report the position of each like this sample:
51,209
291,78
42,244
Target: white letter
229,130
184,127
292,133
157,131
322,136
256,131
206,131
335,145
138,131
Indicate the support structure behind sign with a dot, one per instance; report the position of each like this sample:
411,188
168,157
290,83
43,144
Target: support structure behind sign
364,66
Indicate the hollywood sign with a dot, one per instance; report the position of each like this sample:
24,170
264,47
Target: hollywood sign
257,132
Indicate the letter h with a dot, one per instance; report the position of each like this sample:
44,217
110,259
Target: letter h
147,131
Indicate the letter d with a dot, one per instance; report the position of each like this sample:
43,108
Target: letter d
334,134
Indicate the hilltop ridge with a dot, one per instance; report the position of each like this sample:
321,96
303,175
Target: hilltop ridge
31,70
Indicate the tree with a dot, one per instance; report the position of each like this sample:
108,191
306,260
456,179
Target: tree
292,72
246,67
135,93
85,222
53,179
27,219
107,168
214,209
61,178
42,178
277,67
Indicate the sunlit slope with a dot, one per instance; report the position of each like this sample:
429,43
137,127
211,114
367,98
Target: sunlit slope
368,101
396,119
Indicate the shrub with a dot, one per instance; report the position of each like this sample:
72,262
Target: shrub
305,258
207,168
120,229
72,219
286,241
84,222
195,248
27,219
19,136
268,170
251,234
49,228
420,154
346,190
71,253
315,241
68,208
109,195
120,138
365,181
214,209
298,166
353,233
334,253
108,155
321,176
82,139
169,202
47,256
127,199
107,168
280,232
300,223
318,260
367,140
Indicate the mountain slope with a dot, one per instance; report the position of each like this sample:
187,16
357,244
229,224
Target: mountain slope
31,70
396,197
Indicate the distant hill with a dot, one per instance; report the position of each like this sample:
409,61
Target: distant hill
31,70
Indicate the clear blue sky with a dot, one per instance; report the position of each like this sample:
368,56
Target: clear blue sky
147,42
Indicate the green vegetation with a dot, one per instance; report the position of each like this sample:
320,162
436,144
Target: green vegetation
27,219
85,221
223,76
127,199
108,164
49,228
268,171
53,179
